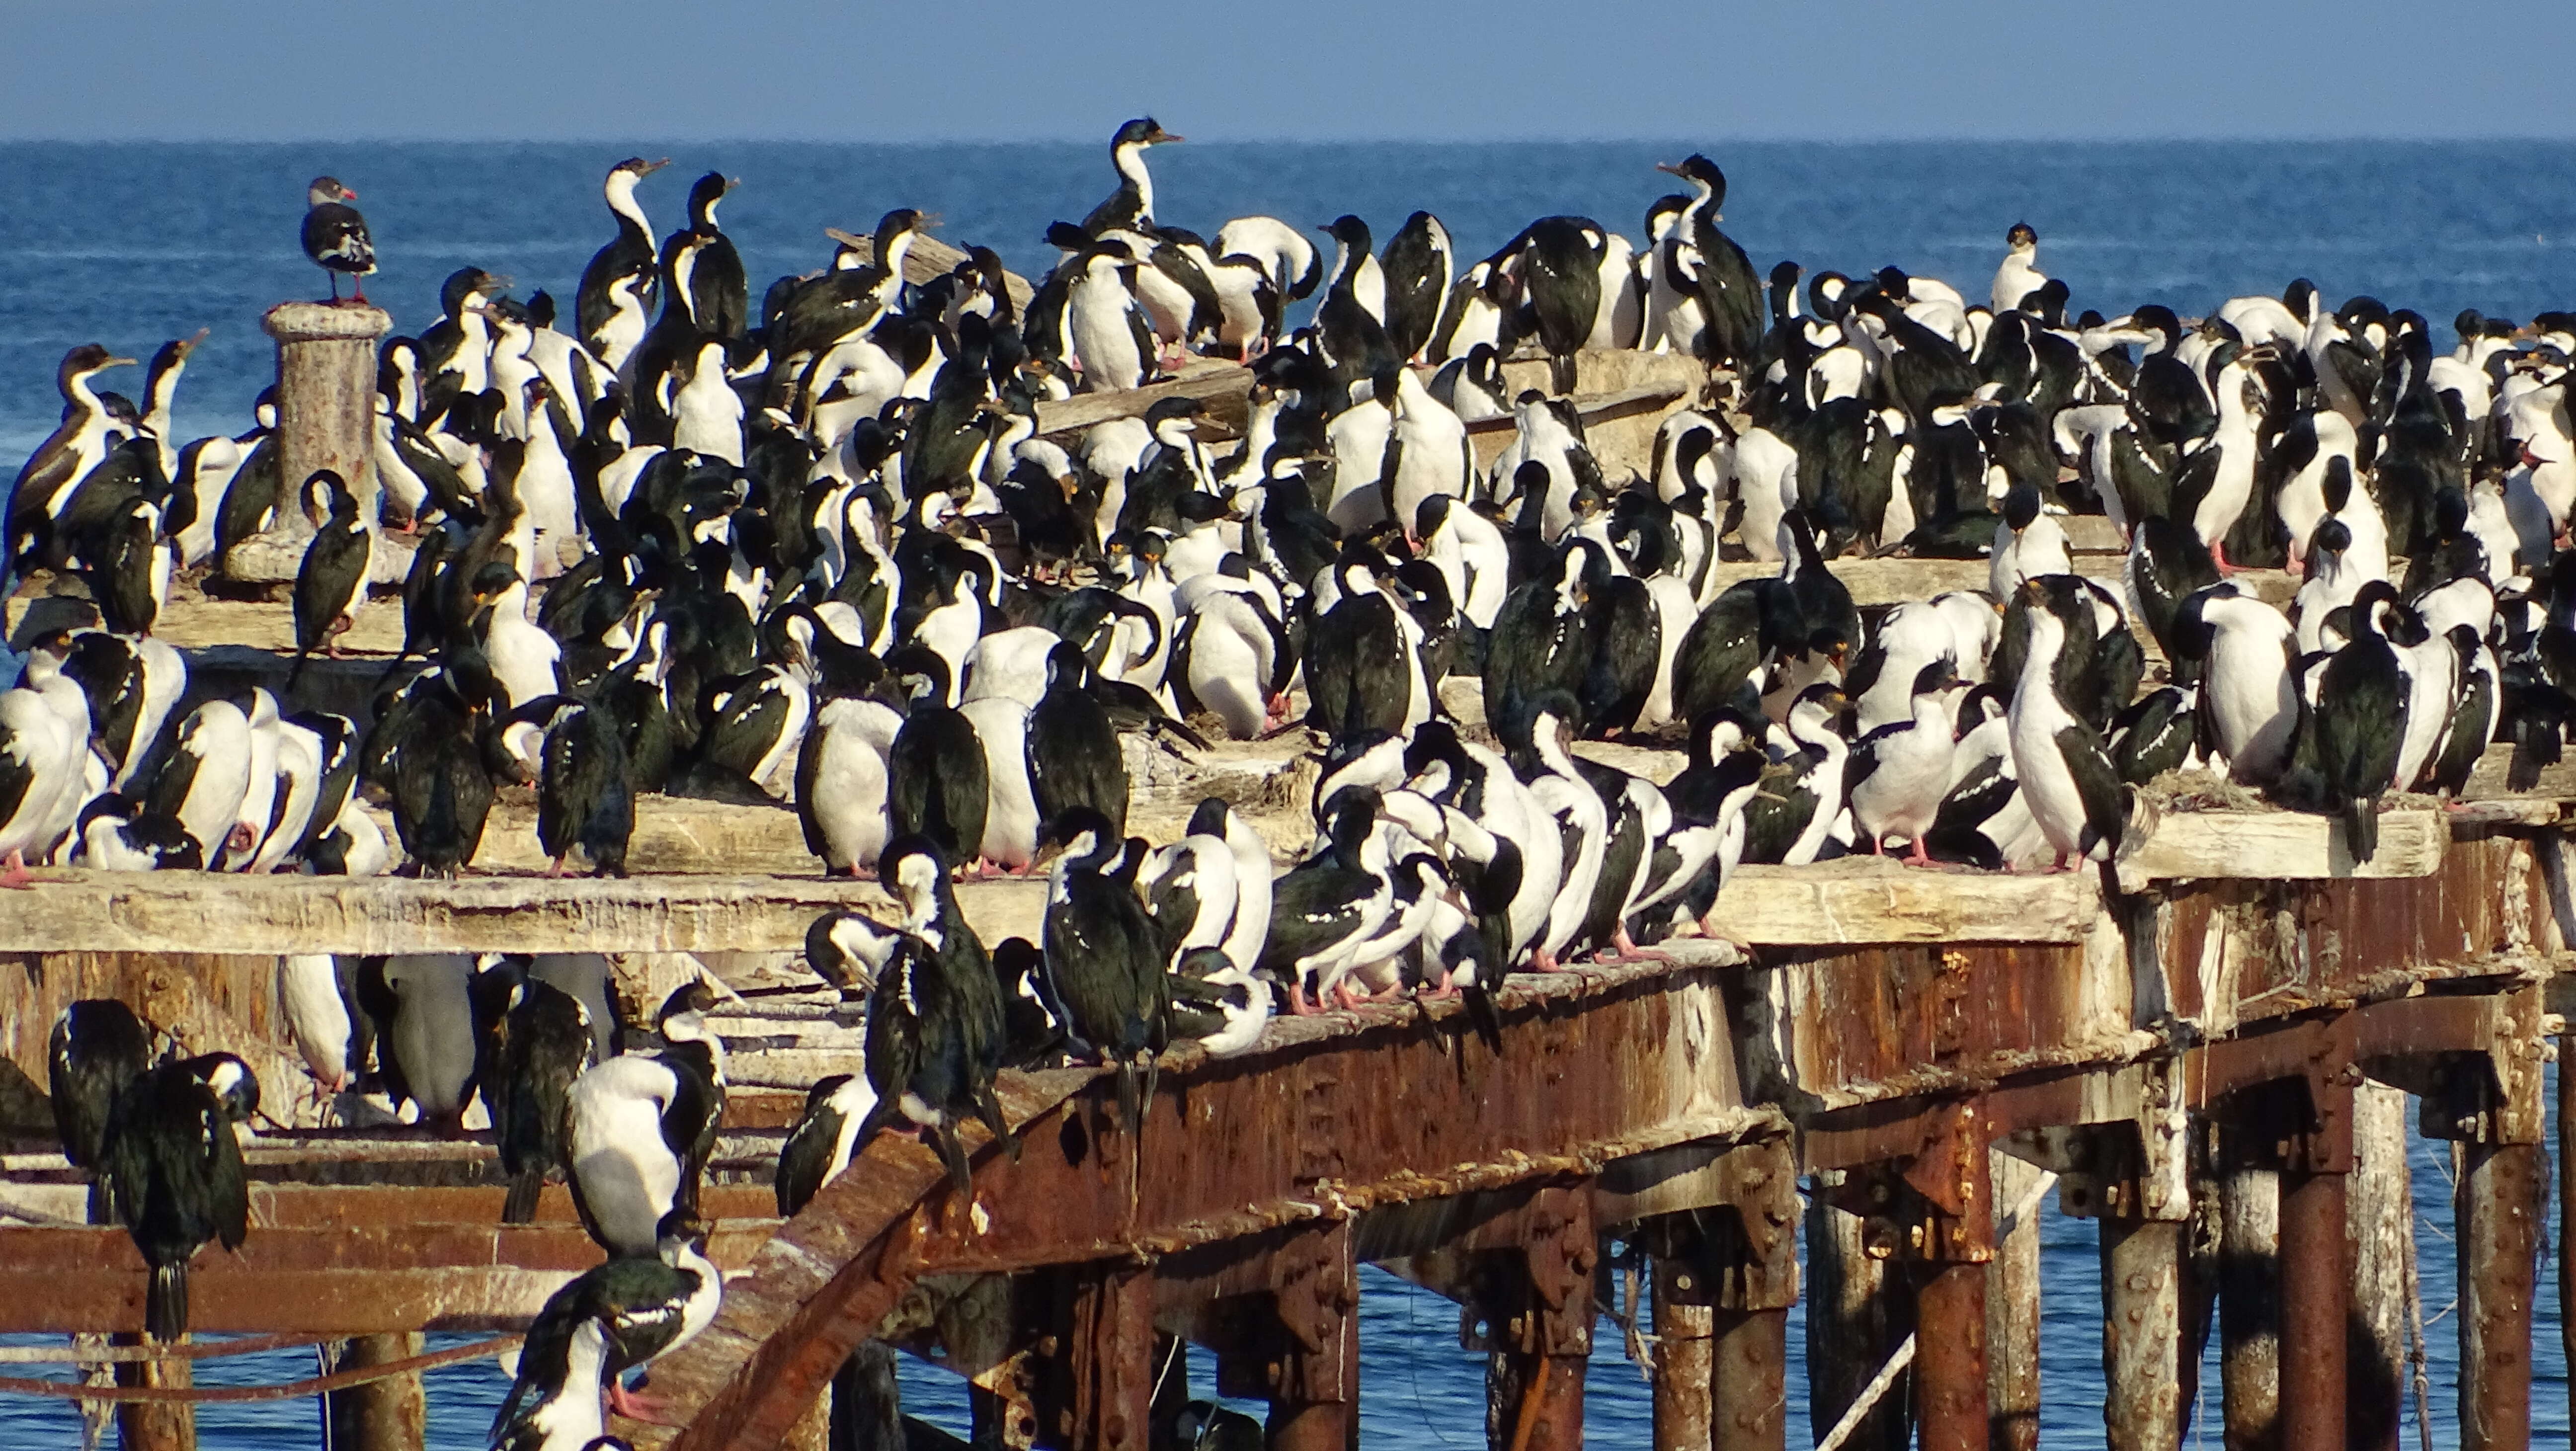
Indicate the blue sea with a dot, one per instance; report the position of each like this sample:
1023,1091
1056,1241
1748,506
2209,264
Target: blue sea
131,245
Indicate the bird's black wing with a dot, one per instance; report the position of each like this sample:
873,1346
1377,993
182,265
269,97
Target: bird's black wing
2096,784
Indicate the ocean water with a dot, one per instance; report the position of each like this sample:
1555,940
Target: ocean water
131,245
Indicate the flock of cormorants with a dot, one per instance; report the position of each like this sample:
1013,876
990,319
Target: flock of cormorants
819,552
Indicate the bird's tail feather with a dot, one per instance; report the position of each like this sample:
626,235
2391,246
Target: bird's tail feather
1481,1011
165,1303
952,1152
989,1109
2361,827
521,1205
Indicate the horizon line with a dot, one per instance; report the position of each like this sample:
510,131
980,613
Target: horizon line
1213,140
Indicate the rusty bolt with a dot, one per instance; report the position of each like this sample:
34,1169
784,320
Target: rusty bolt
2350,1077
1880,1194
1681,1282
1880,1251
1048,1345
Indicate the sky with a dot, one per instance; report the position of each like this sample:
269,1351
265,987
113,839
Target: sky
1322,69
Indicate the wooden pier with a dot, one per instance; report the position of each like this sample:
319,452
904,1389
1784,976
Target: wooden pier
2167,1049
2209,1051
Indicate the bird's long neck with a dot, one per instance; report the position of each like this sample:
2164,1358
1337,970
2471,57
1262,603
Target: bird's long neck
621,200
1129,158
79,398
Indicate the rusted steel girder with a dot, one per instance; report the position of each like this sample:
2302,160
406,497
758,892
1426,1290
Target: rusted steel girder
2316,1265
1096,1393
1326,1127
1725,1278
1683,1320
1934,1212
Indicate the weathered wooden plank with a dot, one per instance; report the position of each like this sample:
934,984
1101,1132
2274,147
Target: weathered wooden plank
1224,387
2283,845
79,910
1872,899
929,259
73,909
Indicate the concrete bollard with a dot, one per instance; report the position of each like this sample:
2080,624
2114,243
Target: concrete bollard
326,407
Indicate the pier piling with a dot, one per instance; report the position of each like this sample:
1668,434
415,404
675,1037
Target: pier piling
326,419
2012,1314
382,1415
2141,1333
2382,1212
2501,1210
2249,1307
2314,1263
1683,1373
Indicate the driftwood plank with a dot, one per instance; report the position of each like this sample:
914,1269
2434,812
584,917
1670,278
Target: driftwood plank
1869,899
2286,845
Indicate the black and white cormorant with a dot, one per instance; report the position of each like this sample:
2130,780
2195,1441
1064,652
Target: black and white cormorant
541,1049
97,1050
427,1048
335,236
640,1128
607,1321
1105,954
331,580
940,784
576,754
937,1033
627,258
2075,794
818,1147
1132,205
173,1173
1327,908
1075,762
1899,772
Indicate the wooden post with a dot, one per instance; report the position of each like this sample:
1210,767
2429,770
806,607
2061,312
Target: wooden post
382,1415
2141,1333
2315,1260
1682,1369
2249,1308
326,419
2383,1216
867,1401
2500,1212
1857,1312
2567,1215
2012,1314
151,1425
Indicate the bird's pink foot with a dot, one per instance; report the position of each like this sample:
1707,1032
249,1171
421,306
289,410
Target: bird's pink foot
1628,948
14,874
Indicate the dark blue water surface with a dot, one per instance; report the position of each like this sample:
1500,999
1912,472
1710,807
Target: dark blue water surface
134,244
131,245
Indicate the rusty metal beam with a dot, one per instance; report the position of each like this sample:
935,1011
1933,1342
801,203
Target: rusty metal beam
2501,1209
1748,1380
329,1281
1950,1356
1683,1320
1317,1130
2314,1264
